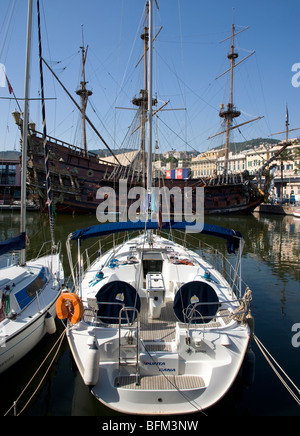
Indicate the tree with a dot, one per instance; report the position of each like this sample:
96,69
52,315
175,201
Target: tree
296,156
285,156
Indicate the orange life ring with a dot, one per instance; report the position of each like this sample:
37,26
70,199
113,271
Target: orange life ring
69,306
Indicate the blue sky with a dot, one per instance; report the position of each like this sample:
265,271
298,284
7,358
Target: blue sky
188,57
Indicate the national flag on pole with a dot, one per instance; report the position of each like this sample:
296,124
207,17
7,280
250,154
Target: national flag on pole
9,85
287,115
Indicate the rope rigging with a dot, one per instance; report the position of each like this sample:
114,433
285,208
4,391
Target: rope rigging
281,374
46,153
13,407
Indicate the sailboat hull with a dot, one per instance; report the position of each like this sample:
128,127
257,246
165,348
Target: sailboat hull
25,340
162,362
22,332
164,390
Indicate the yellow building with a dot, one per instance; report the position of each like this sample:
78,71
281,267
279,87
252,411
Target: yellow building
206,164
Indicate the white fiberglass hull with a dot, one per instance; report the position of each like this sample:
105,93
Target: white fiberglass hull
16,347
20,334
162,366
163,391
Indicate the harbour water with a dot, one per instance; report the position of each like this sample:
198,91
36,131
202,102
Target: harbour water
271,268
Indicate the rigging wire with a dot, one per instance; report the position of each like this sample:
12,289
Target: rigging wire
267,121
45,145
183,69
183,140
130,55
187,86
8,21
119,62
52,78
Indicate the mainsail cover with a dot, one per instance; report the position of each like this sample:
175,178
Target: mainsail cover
232,237
112,297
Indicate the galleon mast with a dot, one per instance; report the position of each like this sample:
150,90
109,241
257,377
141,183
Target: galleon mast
84,94
230,112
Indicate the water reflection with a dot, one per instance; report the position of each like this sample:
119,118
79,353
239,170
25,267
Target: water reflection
271,269
273,239
278,244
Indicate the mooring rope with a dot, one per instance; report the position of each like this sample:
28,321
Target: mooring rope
269,357
60,339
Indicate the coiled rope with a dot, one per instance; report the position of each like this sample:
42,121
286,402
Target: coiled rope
240,314
269,359
60,341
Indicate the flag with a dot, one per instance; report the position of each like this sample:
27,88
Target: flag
9,85
287,115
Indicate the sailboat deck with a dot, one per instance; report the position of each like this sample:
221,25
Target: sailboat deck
162,329
160,382
157,334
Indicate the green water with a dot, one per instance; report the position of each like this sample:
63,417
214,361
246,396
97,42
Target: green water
271,268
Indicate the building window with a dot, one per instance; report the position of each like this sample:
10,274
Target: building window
8,174
11,174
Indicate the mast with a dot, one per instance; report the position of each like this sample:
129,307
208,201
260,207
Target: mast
286,140
285,145
84,94
149,163
231,112
25,127
143,101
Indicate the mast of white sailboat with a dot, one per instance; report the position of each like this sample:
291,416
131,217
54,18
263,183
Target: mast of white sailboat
149,162
142,101
25,127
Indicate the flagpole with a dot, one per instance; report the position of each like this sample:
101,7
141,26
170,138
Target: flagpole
287,124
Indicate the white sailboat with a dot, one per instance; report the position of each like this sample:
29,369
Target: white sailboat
28,289
153,326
